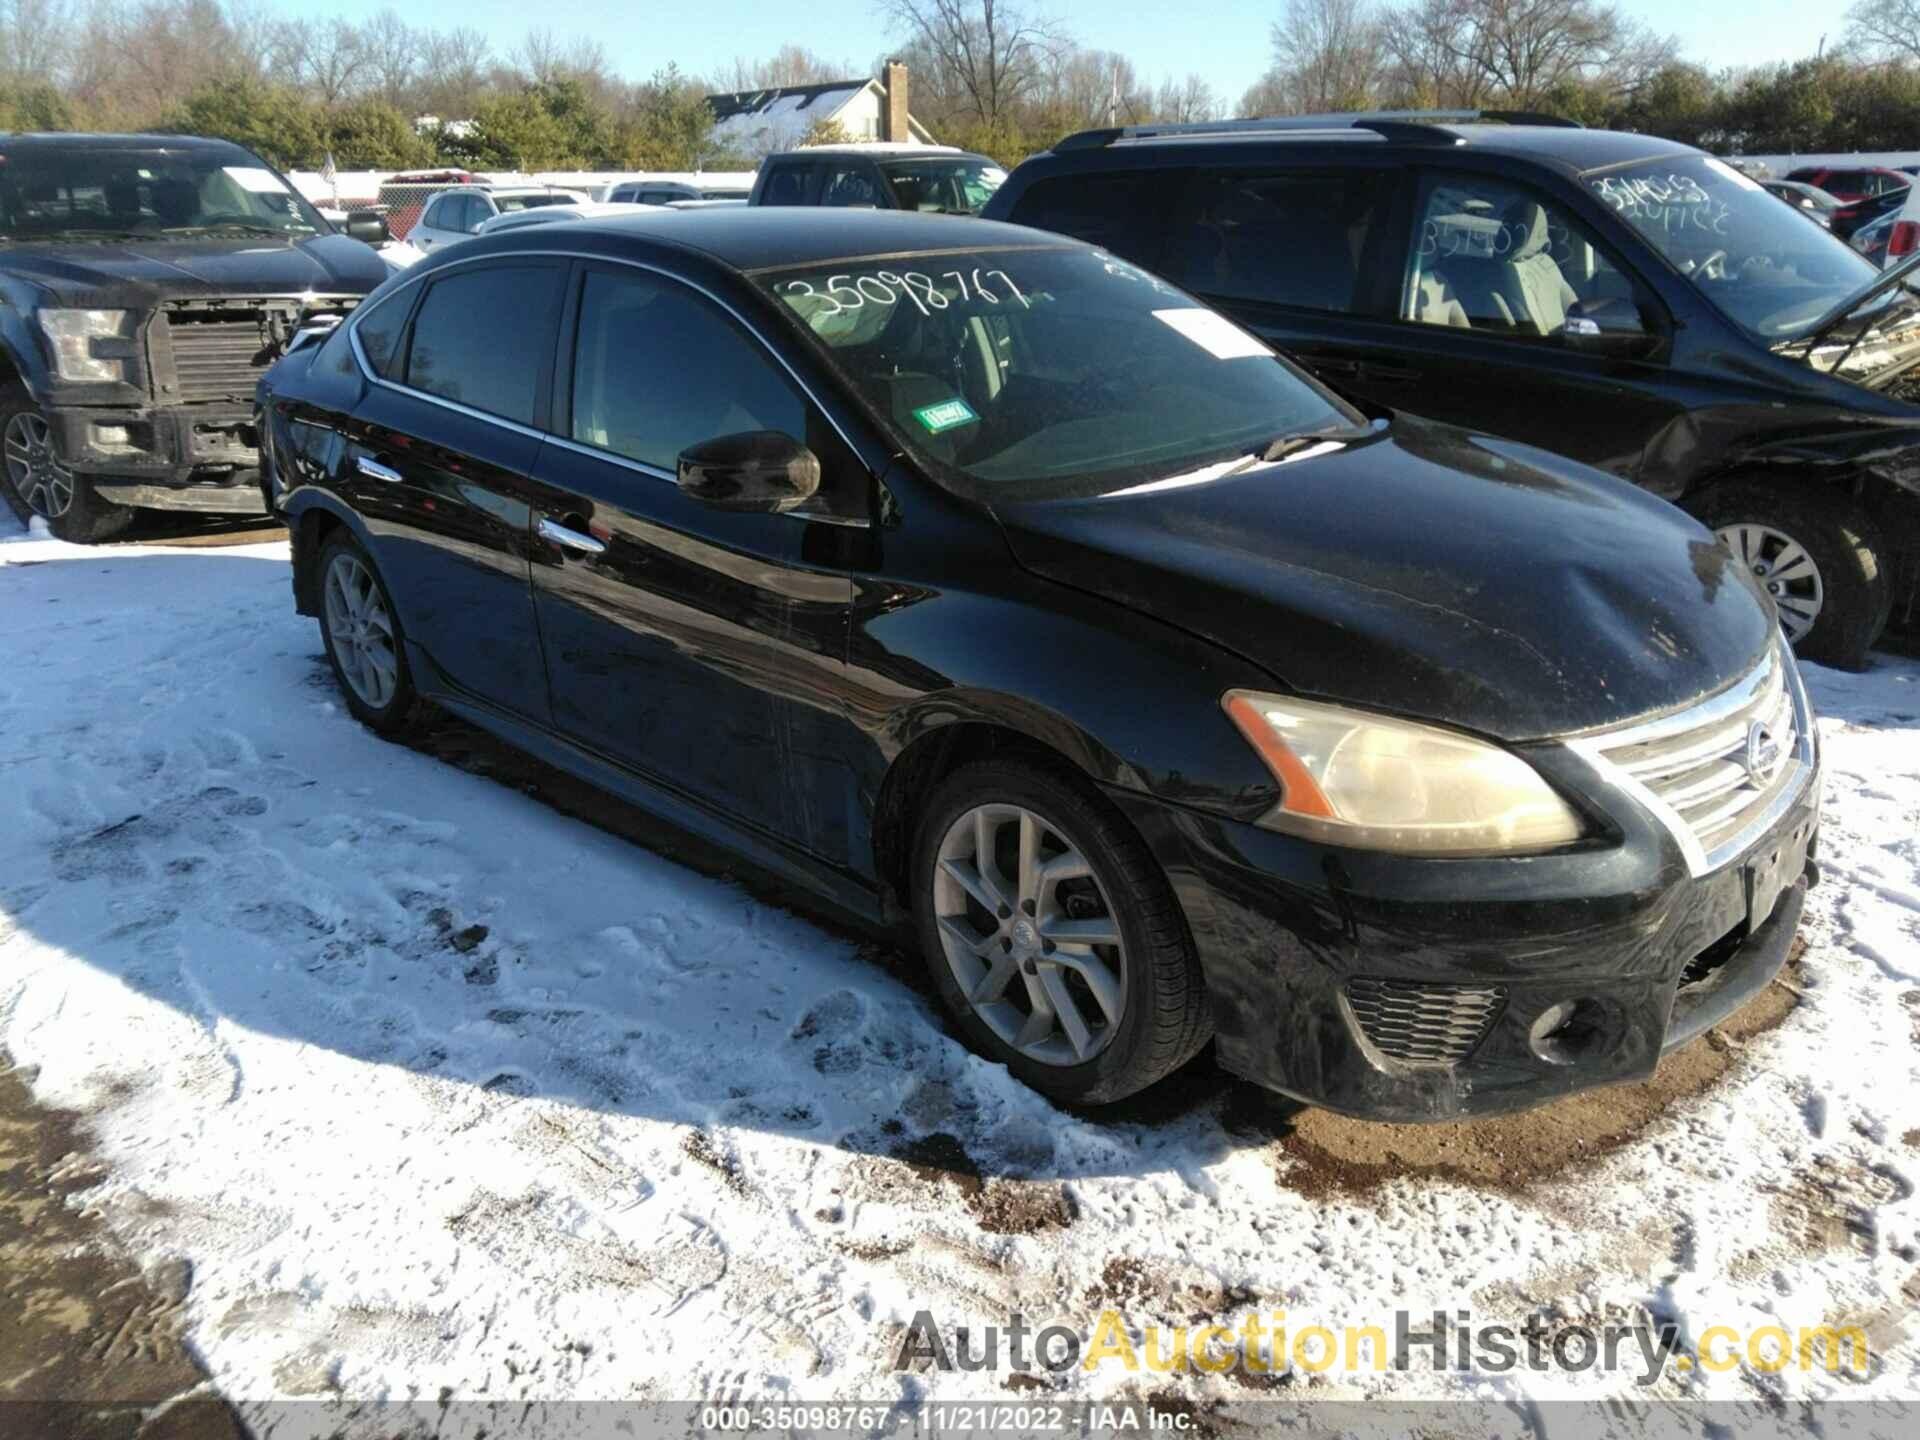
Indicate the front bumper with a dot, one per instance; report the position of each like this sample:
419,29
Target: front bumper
1530,978
187,457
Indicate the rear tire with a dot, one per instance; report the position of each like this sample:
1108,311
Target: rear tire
1138,1007
364,642
39,483
1765,522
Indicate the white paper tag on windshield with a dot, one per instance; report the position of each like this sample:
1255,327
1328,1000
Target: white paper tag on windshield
252,177
1215,334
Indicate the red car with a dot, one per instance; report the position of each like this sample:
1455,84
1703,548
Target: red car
1859,182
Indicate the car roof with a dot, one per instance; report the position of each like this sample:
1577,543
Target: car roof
63,140
1564,146
749,238
887,148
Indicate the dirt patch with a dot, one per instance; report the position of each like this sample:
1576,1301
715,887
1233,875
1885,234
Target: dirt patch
1000,1207
1322,1154
699,1148
1831,1204
90,1344
1911,1139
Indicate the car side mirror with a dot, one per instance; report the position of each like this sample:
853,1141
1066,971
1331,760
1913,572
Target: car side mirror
757,470
369,227
1611,327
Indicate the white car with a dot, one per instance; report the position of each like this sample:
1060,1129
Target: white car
549,214
453,215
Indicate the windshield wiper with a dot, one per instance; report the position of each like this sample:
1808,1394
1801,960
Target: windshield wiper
242,226
1872,289
1294,441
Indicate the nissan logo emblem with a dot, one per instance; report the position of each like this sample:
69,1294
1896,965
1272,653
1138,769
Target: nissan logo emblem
1763,754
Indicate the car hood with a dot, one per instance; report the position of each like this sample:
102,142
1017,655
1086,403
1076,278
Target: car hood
131,274
1441,575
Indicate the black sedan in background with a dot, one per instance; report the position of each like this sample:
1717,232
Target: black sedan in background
1004,595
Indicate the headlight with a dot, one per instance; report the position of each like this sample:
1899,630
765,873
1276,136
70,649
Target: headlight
73,333
1350,778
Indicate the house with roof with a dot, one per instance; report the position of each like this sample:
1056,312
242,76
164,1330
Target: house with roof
759,122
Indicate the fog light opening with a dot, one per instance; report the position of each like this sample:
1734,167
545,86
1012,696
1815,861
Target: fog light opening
1569,1031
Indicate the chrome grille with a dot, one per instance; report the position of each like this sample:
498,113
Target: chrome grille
1422,1022
1718,772
218,354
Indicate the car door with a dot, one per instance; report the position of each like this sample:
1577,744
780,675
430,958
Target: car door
679,637
437,460
1492,273
440,222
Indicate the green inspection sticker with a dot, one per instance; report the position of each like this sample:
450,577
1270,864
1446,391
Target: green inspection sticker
945,416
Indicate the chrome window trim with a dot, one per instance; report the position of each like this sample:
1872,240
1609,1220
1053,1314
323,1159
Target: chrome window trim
1593,749
652,472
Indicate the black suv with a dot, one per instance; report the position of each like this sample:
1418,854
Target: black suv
1623,300
879,177
146,282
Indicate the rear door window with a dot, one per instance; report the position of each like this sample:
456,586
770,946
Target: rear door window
1299,238
1122,212
786,185
478,335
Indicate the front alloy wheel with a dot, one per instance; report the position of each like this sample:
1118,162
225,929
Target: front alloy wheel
1051,932
1038,956
38,477
1784,568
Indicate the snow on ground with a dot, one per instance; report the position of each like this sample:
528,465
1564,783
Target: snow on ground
441,1091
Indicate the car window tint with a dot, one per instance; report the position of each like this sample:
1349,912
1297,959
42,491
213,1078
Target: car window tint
470,339
657,369
787,185
851,185
1491,256
1288,239
1121,213
379,330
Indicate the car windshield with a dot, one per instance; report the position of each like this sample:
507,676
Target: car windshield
1042,372
1764,267
954,187
80,192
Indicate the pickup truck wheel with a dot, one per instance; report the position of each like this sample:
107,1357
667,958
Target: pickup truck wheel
1817,553
1052,934
39,483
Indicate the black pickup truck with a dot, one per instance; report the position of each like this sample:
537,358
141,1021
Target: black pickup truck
146,281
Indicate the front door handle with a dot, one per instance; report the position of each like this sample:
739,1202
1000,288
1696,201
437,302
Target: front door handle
558,534
374,470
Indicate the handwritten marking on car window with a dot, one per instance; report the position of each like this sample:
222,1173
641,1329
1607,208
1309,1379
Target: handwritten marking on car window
925,292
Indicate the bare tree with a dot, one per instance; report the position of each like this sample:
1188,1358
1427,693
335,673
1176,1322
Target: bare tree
327,57
1327,55
1184,102
1086,88
454,65
789,65
1472,52
544,58
1885,29
394,51
35,39
992,51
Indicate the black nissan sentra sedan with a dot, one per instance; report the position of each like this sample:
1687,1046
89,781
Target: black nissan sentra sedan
987,585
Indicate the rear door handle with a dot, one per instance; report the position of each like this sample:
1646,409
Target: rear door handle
374,470
555,533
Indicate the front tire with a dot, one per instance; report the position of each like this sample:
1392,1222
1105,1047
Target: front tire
1819,555
39,482
364,642
1076,972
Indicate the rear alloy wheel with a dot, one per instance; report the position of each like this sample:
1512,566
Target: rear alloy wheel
41,481
1816,552
1053,935
363,638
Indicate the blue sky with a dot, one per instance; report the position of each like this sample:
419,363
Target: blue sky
1228,47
